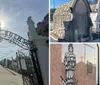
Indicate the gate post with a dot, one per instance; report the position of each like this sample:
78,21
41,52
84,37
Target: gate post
40,51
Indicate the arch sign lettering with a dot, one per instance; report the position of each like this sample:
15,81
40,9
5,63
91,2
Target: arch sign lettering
14,38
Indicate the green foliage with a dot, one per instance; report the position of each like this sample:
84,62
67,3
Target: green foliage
89,67
52,10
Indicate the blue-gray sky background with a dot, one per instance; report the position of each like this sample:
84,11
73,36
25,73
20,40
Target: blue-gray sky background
59,2
14,14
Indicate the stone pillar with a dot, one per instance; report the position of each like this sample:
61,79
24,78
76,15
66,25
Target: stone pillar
42,47
43,57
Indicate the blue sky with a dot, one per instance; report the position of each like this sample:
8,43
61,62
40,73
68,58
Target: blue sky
58,2
14,14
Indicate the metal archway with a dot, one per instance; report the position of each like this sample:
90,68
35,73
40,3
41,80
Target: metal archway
14,38
27,45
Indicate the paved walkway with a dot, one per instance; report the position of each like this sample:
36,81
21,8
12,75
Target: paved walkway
9,78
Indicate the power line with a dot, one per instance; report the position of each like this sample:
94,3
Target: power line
89,46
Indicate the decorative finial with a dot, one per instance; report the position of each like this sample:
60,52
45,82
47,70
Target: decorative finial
70,48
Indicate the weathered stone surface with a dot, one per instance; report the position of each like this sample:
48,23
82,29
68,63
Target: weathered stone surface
62,13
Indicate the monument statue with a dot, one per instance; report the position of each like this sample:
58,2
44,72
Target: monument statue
69,63
39,42
31,27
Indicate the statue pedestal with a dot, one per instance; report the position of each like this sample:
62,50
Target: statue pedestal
42,49
43,56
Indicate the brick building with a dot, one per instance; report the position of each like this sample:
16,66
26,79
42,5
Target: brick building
57,69
43,27
83,77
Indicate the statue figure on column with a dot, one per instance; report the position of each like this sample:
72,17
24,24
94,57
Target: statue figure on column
31,27
69,63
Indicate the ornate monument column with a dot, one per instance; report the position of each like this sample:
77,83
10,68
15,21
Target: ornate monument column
42,49
69,62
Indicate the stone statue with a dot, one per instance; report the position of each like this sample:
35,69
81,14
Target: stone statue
31,27
69,63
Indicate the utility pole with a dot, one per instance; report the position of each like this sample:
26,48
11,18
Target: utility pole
86,45
98,62
54,3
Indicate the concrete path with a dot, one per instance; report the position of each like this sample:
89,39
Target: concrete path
8,78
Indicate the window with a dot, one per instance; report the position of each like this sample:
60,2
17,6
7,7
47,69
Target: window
89,67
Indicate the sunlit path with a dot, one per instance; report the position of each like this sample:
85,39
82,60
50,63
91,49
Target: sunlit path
9,78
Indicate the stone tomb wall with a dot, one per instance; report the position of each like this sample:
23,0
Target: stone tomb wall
61,14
